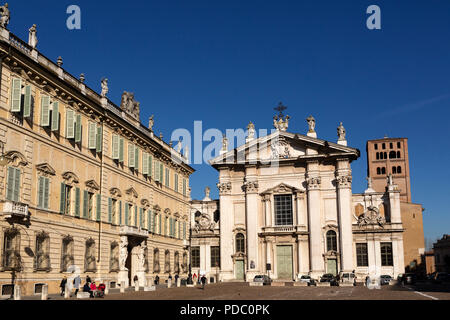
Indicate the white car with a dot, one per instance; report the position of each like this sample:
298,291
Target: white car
307,279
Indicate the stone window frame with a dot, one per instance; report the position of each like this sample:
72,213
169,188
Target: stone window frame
366,255
156,258
280,190
88,244
67,239
176,262
71,180
195,257
17,161
115,195
45,253
15,234
167,264
114,265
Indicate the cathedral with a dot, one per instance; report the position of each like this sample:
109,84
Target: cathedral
286,209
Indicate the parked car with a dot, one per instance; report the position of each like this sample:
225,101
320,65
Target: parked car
385,279
328,277
347,277
440,277
307,279
262,278
409,278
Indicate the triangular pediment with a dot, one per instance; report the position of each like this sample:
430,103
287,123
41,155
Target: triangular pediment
132,192
91,184
46,169
284,146
281,188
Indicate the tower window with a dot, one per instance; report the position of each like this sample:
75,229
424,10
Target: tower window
378,170
375,146
391,145
383,170
384,146
378,156
398,155
394,170
399,145
399,170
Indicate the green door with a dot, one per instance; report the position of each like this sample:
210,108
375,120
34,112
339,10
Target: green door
332,266
284,262
240,270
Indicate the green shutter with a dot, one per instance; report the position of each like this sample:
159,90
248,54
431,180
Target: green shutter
121,151
150,165
115,146
156,170
27,102
145,163
161,172
99,207
160,223
62,201
55,117
99,139
46,192
154,223
109,210
77,202
85,204
176,182
92,142
184,187
126,214
78,129
45,111
131,157
70,124
41,192
120,212
16,95
149,220
136,158
140,218
135,216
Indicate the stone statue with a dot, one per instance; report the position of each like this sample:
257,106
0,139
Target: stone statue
390,180
151,122
251,130
104,87
341,132
130,105
179,146
123,254
141,256
312,124
369,183
224,143
32,37
281,124
4,20
207,192
275,148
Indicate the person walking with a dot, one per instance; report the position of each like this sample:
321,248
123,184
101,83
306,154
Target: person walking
203,282
88,279
76,284
62,285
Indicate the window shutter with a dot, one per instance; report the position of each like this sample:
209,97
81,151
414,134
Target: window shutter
161,172
150,165
77,202
70,124
46,192
184,187
156,171
136,158
41,192
121,151
99,207
131,157
78,128
135,216
109,210
120,212
27,102
154,223
140,217
16,185
126,214
145,163
149,220
176,182
62,201
115,146
85,204
160,224
92,136
16,95
99,139
45,111
55,116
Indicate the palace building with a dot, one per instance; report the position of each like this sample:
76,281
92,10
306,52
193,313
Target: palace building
84,186
298,217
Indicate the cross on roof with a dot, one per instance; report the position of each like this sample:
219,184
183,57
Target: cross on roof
280,109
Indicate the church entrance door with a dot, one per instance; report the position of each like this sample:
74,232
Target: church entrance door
332,266
239,269
284,262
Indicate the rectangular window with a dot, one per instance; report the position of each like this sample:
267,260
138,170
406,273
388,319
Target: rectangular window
121,150
167,178
13,184
145,163
131,155
115,147
55,116
70,124
66,192
16,95
386,254
43,192
27,101
78,129
195,257
215,257
283,210
99,207
157,179
176,182
184,187
92,134
150,165
136,158
99,139
77,202
375,146
45,111
361,255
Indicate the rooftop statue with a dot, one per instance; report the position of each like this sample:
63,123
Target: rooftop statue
5,14
312,124
104,87
130,105
32,37
341,132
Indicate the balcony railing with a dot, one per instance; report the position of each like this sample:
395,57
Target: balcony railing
133,231
15,209
280,229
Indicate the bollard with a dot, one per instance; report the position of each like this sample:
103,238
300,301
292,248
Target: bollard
44,293
122,287
136,286
67,291
17,295
178,282
107,287
169,283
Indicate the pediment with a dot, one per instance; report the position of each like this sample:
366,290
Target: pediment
16,159
157,208
115,193
284,146
46,169
91,184
132,192
145,203
281,188
70,178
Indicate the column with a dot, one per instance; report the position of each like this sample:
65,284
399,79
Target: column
344,201
252,200
267,210
301,210
226,225
314,214
303,255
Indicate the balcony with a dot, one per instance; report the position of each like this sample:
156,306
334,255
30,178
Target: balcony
15,209
277,230
133,231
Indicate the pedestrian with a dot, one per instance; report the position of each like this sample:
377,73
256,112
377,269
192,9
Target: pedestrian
76,284
170,277
176,278
88,279
62,285
135,279
203,282
156,280
194,278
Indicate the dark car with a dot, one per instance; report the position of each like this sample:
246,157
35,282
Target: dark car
409,278
440,277
385,279
328,277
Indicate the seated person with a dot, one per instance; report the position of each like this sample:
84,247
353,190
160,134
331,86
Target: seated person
93,289
87,288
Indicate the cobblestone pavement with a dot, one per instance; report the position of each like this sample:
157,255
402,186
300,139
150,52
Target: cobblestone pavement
242,291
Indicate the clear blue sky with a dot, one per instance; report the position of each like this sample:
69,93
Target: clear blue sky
229,62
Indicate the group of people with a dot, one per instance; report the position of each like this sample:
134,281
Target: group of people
200,280
89,286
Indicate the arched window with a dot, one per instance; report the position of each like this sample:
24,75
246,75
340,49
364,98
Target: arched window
240,243
383,170
331,241
394,170
156,267
378,156
391,145
399,170
392,155
177,263
385,155
375,146
384,146
399,145
398,155
378,170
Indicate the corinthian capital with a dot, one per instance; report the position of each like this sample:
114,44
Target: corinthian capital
313,183
250,186
344,181
224,188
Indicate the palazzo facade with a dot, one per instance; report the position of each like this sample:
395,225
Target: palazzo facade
300,216
85,188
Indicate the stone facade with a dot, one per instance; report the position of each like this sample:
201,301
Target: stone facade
85,188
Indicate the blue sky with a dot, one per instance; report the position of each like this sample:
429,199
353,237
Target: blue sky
229,62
